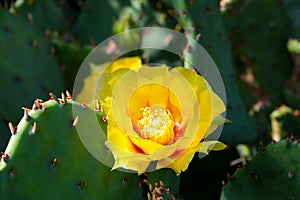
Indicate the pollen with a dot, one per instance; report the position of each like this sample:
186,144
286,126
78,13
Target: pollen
157,124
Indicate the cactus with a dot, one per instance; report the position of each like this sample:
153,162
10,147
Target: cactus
203,179
163,183
292,7
70,56
252,42
131,16
58,15
276,122
94,24
28,68
273,173
285,122
57,165
292,87
116,16
291,90
257,38
213,39
291,95
34,12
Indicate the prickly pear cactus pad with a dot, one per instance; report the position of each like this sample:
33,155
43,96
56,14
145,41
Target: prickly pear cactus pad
70,56
273,173
208,28
255,55
28,69
34,12
99,15
45,159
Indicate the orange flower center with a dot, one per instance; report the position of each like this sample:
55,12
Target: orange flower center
157,124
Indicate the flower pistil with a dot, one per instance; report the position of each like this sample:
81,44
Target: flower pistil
157,124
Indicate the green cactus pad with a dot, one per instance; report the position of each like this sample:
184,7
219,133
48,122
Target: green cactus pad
293,9
292,95
164,183
45,159
291,90
212,36
95,21
259,42
71,56
273,173
27,69
43,14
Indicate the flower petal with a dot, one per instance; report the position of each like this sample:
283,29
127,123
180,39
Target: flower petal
138,100
154,74
135,163
122,88
95,84
218,105
174,107
182,163
201,132
206,146
121,63
216,123
197,82
90,83
105,90
148,146
158,94
210,105
118,139
189,98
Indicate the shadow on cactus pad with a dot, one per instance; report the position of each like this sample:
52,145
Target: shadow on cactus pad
273,173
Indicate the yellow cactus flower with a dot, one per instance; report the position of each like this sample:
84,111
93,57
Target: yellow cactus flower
158,117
